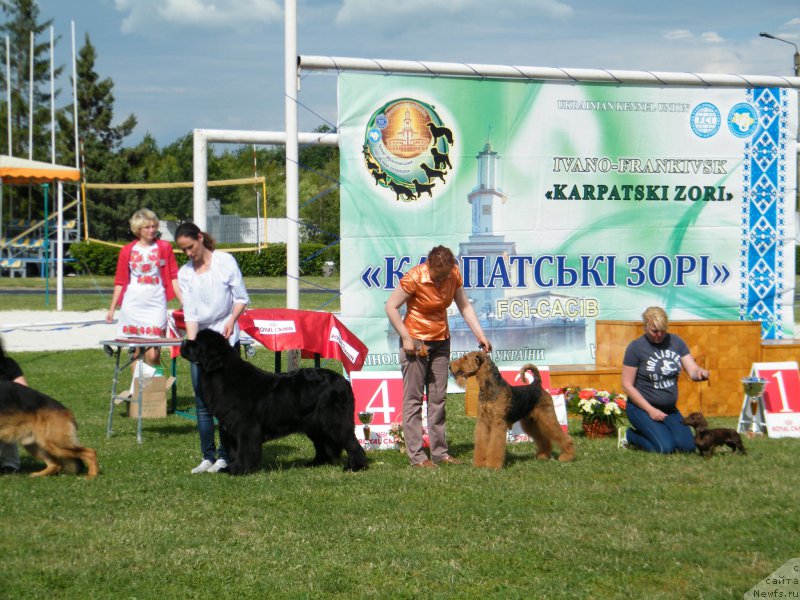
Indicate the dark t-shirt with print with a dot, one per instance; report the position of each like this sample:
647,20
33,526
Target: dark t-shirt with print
657,368
9,369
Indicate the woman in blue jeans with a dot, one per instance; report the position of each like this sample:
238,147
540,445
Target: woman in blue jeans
215,458
214,297
650,371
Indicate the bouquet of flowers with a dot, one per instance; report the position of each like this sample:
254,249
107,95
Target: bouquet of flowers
595,406
396,434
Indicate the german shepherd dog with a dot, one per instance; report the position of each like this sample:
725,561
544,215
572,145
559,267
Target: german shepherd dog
46,428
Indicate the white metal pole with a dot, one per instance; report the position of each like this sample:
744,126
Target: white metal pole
30,103
200,150
544,73
52,101
292,157
75,100
8,119
60,248
8,93
75,126
276,138
292,169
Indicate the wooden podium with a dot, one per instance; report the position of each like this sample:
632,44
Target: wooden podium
727,349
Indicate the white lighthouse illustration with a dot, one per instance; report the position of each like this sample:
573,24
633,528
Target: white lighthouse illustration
513,338
486,200
487,240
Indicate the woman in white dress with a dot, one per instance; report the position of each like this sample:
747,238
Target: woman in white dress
146,279
214,297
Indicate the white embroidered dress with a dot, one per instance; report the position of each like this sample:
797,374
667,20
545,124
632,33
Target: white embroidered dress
144,306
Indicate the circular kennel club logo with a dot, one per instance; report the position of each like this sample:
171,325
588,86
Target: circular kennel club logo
742,120
407,149
705,120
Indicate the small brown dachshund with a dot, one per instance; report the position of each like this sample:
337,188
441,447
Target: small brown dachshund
707,439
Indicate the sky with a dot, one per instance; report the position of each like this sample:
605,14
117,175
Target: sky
218,64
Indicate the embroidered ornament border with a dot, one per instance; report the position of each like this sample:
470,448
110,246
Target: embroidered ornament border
762,260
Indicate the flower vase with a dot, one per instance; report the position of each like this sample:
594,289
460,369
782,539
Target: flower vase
598,429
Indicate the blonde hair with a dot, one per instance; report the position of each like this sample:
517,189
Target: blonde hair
141,218
657,317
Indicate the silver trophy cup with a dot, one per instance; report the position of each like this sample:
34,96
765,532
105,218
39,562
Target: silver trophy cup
365,418
754,390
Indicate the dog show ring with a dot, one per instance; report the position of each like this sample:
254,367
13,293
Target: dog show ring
114,349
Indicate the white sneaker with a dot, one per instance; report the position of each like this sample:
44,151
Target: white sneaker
203,467
218,466
622,438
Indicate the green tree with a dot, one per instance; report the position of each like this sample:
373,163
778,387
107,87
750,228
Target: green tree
319,192
170,165
318,186
22,18
103,158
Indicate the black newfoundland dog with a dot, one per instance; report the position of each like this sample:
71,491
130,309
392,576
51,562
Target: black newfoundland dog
254,406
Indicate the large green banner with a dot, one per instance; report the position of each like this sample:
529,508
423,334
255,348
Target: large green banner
567,203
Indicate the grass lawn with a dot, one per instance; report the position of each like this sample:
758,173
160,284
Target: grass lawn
613,524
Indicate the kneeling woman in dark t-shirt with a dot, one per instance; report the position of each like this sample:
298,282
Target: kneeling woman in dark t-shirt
650,373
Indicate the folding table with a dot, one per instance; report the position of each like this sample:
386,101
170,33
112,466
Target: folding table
114,349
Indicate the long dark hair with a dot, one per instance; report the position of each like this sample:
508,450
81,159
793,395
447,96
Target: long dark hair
190,230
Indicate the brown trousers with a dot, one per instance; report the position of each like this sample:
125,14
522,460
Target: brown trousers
420,374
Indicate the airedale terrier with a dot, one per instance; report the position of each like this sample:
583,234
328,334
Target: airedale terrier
501,405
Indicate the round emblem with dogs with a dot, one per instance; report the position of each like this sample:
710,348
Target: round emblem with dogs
407,149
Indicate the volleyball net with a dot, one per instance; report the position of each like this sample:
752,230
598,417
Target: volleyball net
237,210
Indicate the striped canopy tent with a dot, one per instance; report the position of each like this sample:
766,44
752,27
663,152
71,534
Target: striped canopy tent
22,171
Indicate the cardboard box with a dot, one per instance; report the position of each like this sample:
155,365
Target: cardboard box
154,398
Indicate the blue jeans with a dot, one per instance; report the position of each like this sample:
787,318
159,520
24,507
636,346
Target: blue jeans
205,422
9,456
669,435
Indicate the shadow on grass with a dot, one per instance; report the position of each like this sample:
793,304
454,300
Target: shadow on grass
172,429
515,453
462,451
284,457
